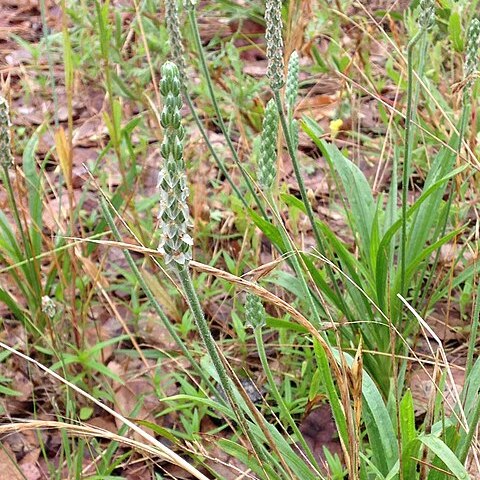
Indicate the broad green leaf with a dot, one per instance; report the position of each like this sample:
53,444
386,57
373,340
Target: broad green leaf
449,459
8,300
333,396
270,231
410,443
285,324
455,30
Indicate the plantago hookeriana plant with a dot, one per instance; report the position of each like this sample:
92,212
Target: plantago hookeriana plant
175,242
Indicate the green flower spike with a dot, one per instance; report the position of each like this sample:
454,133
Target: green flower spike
273,37
426,19
6,158
175,35
267,163
471,55
291,86
254,311
175,242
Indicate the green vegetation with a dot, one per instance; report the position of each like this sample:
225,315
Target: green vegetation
241,241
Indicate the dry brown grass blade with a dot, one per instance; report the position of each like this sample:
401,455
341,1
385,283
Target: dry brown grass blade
76,430
242,282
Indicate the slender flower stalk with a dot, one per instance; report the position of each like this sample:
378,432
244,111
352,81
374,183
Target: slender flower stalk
255,317
190,7
175,242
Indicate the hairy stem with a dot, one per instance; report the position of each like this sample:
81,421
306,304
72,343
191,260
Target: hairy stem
210,345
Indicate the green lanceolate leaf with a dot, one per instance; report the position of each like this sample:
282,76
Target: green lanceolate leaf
450,461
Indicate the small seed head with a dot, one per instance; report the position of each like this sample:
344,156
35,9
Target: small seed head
273,37
6,157
254,311
267,163
174,219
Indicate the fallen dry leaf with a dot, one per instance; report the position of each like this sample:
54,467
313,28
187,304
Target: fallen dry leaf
9,470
